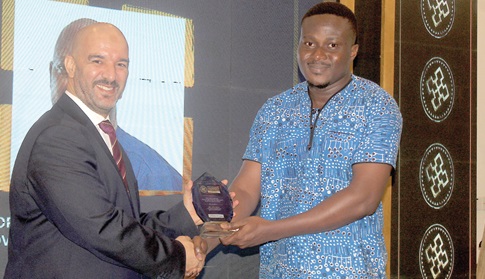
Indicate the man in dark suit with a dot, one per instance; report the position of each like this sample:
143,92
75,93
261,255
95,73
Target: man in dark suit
75,212
151,169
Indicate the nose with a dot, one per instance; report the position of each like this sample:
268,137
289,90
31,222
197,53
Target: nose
319,54
109,72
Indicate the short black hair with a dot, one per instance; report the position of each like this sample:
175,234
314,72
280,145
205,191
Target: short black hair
333,8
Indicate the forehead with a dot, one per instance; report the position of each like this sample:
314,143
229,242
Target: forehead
326,24
101,37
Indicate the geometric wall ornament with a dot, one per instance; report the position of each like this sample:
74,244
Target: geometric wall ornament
436,253
434,221
438,16
436,176
437,89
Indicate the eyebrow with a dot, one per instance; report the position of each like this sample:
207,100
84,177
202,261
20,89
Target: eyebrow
95,56
102,57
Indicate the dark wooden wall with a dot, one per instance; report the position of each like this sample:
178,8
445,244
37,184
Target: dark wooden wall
433,228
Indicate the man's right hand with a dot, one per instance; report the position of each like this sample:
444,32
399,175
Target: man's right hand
195,252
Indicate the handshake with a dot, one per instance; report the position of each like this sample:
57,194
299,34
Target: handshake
196,248
195,252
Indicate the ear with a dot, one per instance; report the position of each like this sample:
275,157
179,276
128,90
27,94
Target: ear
70,65
354,50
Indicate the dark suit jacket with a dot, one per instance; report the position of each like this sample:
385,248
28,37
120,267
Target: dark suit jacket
71,215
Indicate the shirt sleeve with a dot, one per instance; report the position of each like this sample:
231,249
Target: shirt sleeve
259,129
383,132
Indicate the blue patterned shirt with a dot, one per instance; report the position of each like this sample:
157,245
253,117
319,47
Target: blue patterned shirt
361,123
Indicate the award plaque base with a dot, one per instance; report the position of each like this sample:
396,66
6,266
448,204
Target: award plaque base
213,229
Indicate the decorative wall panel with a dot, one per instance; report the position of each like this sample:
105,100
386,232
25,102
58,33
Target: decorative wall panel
434,194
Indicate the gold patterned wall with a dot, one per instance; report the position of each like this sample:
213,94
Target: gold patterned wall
5,128
6,63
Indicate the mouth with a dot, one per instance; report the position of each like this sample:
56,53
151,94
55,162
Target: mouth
318,68
105,88
108,87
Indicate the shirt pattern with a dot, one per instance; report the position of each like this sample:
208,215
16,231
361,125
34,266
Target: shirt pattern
361,123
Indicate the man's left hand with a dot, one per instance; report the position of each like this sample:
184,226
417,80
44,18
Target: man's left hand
251,231
187,197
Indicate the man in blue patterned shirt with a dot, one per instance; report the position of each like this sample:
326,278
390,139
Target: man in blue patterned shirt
319,159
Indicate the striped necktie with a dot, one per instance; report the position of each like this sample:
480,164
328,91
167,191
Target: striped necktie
108,128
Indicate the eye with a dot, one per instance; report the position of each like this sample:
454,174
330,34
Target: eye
123,65
332,45
309,44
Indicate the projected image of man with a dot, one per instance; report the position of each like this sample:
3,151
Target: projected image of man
152,171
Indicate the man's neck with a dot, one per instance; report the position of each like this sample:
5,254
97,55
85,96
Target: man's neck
320,96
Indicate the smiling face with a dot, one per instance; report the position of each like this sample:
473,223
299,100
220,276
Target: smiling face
98,67
326,51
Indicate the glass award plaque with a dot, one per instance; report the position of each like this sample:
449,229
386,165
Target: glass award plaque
213,204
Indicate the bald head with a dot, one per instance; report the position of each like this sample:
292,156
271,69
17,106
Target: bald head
101,33
97,66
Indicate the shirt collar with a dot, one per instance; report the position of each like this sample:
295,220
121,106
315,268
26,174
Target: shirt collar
93,116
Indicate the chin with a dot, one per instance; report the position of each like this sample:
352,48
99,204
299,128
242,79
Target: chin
321,85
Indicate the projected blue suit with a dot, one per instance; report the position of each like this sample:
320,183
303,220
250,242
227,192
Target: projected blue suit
152,171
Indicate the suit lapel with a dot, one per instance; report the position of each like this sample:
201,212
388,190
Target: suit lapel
69,107
132,183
